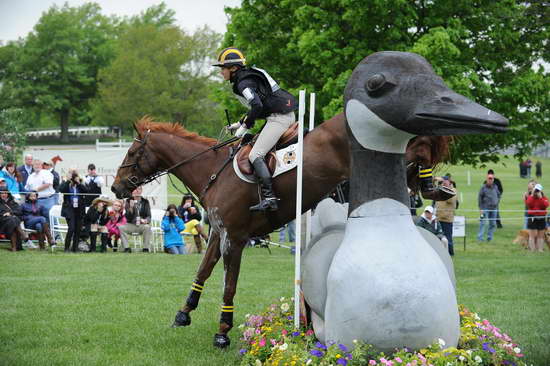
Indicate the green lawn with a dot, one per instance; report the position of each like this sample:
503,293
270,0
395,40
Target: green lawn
115,309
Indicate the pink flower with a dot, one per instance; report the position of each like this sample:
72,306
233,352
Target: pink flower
398,359
273,342
408,364
372,362
414,363
486,322
258,331
284,332
383,360
262,342
309,332
389,363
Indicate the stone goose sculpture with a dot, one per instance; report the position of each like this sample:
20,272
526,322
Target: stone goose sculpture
386,285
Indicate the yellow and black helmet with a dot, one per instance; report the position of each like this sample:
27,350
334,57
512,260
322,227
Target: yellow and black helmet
231,56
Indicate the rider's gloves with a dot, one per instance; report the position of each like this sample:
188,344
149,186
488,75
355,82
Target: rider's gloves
234,126
241,131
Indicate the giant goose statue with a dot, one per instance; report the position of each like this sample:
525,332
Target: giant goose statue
386,285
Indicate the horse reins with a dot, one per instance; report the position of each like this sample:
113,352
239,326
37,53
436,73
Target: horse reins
134,180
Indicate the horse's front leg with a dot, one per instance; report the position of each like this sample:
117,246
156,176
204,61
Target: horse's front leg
232,263
211,257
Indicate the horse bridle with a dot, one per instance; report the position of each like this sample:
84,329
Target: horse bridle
135,182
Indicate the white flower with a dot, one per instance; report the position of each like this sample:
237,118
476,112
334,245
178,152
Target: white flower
282,299
283,347
355,341
449,364
247,316
309,361
476,317
258,363
517,350
469,352
292,299
285,307
478,359
441,342
461,358
241,326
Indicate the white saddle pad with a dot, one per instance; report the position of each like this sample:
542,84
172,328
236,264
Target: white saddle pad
286,160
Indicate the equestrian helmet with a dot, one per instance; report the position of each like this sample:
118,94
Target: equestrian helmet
231,56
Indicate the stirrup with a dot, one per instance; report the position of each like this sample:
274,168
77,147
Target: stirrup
267,204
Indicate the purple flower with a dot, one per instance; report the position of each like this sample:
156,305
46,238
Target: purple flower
295,334
242,351
485,346
341,361
343,347
320,345
349,356
289,317
316,353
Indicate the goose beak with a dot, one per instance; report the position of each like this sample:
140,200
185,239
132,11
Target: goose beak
453,114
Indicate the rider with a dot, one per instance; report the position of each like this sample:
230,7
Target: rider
256,90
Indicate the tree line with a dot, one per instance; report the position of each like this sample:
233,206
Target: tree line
81,67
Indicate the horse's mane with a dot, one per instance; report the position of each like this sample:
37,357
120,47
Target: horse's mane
147,123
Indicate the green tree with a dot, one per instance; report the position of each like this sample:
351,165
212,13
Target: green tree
12,139
55,68
160,71
484,49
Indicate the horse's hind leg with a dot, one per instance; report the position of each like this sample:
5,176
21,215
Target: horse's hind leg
232,263
211,257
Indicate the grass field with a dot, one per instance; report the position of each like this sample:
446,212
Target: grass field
115,309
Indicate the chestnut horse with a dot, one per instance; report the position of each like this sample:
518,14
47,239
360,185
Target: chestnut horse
161,146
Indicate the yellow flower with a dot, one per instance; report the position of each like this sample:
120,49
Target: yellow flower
338,355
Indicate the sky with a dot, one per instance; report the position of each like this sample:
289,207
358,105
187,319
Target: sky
18,17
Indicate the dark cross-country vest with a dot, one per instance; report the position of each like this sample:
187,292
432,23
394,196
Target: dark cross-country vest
274,99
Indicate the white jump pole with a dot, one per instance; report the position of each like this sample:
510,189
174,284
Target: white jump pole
298,252
311,127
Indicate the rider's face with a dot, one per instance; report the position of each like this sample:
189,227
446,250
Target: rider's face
226,73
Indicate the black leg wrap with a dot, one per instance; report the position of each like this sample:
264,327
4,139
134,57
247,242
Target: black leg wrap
182,319
227,318
221,341
194,295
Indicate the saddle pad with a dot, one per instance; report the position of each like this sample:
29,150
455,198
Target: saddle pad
246,167
283,160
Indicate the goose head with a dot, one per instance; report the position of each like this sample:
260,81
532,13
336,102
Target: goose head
393,96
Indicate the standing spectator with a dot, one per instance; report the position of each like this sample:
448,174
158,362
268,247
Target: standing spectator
35,218
498,183
191,216
26,169
96,220
41,181
536,203
530,185
172,225
13,179
446,213
538,169
9,219
138,217
50,166
487,201
116,220
94,183
415,201
73,209
528,164
453,183
291,229
429,222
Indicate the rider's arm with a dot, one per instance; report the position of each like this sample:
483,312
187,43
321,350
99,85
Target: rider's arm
248,88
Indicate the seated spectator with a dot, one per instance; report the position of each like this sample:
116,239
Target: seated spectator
95,221
138,221
41,181
73,208
429,222
34,217
116,220
172,225
191,216
10,224
13,179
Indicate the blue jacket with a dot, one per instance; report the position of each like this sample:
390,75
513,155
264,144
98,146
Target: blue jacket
13,185
172,229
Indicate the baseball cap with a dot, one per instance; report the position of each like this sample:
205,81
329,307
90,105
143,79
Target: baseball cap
430,209
538,187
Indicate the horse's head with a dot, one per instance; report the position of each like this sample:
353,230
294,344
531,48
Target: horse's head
139,165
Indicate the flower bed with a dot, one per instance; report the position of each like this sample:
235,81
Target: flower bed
270,339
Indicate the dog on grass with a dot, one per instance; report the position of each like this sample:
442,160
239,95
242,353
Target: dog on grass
523,238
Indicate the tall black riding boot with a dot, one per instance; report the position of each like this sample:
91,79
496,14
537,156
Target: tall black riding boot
269,201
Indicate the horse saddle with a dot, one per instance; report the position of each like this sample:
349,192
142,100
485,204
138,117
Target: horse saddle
289,137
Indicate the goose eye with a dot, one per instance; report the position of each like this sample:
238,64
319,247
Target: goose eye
375,82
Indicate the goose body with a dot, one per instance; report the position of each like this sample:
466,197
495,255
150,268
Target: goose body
386,285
